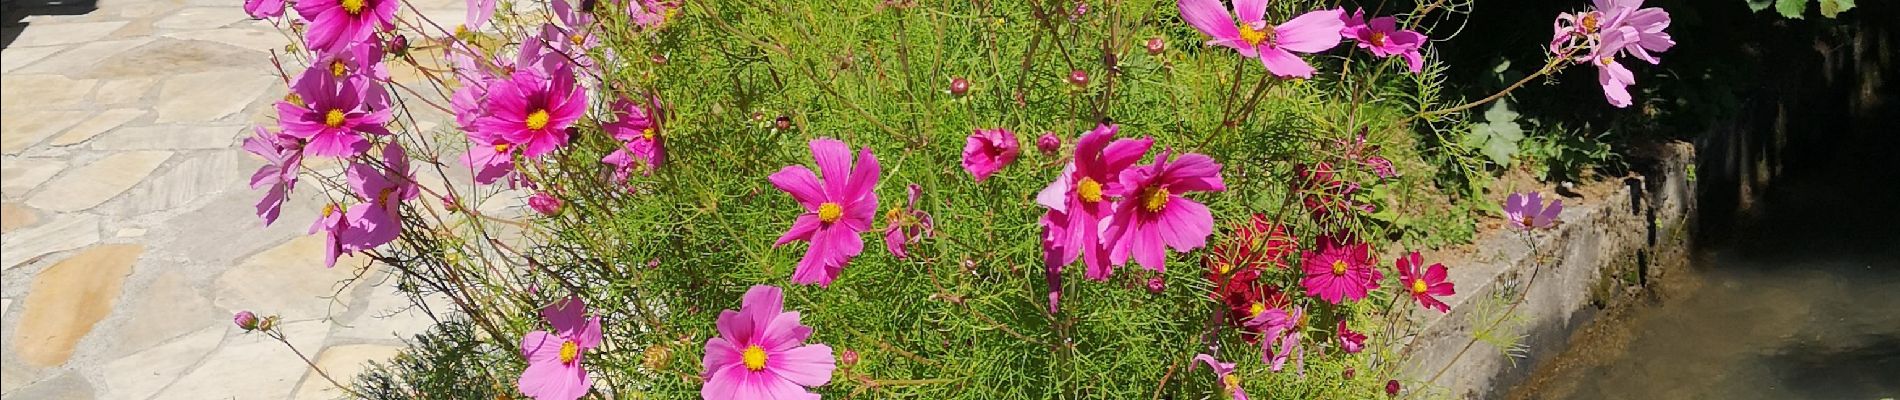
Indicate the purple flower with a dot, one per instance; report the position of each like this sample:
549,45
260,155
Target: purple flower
1049,144
1079,78
479,11
338,24
1153,216
378,217
1282,342
1526,211
337,233
490,157
534,111
1349,341
650,14
638,127
544,203
989,150
554,358
1223,373
907,224
836,208
1384,39
1078,201
760,353
1253,37
330,114
282,154
245,320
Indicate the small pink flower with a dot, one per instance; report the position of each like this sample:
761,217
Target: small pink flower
245,320
1224,375
1049,144
1281,336
534,111
651,14
331,114
1392,388
1425,287
1351,342
555,370
837,208
760,353
282,154
1253,37
338,24
544,203
479,11
264,9
1526,211
1340,271
987,151
1383,38
637,126
907,224
1079,200
490,157
377,218
1153,216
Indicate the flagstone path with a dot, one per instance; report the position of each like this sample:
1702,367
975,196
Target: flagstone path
128,230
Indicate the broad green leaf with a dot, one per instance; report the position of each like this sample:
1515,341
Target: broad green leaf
1758,5
1500,112
1500,151
1831,8
1791,8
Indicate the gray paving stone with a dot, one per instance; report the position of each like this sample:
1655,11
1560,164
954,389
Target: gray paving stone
169,137
41,92
250,366
124,91
289,280
89,185
342,363
194,178
167,307
13,58
62,232
201,18
97,124
65,33
27,128
84,56
22,175
247,38
208,96
67,386
143,374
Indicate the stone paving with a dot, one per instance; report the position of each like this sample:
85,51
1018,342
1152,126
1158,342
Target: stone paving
129,233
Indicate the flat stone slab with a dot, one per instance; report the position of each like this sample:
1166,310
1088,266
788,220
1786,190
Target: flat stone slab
41,92
143,374
46,34
249,39
84,56
209,96
193,178
14,216
287,280
99,123
60,233
67,299
89,185
199,18
169,137
251,366
27,128
20,57
24,174
167,307
124,91
343,363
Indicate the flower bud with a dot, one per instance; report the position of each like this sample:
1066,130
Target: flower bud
1079,78
1048,144
959,86
245,320
1156,285
1392,388
544,203
783,122
848,358
399,45
1156,46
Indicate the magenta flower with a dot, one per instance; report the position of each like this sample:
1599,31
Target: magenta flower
987,151
1349,341
1282,332
330,115
836,208
1153,216
337,24
907,224
1383,38
544,203
1223,373
1049,144
282,155
245,320
1425,287
533,110
761,352
491,158
1339,271
554,358
1078,200
638,128
337,233
378,217
650,14
1526,211
264,9
1253,37
479,11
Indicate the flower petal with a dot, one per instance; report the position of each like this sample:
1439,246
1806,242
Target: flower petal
1311,32
834,163
1210,18
807,366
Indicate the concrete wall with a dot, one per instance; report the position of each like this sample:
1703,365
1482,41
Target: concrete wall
1601,255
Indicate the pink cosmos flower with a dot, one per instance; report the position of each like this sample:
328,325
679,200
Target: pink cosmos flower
378,217
1281,338
479,11
337,24
1612,76
836,208
1223,373
533,110
1253,37
650,14
554,358
761,353
1349,341
1339,271
282,154
264,9
1526,211
1383,38
544,203
1425,287
989,150
330,114
490,157
1153,216
639,131
907,224
1078,200
337,233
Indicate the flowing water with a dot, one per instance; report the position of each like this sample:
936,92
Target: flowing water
1800,303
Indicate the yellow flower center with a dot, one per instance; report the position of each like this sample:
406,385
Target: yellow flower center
1590,23
1418,285
1154,198
461,29
576,38
334,118
1231,384
502,147
329,209
354,7
569,351
1378,39
648,133
1256,309
754,357
1606,61
1339,267
1254,37
830,212
1223,266
895,216
337,68
537,120
1089,190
